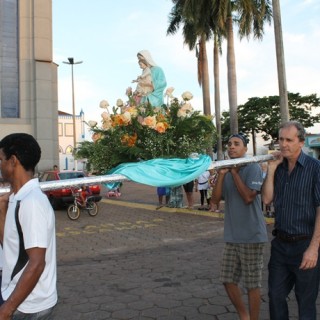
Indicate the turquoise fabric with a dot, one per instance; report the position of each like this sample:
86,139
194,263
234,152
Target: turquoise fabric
163,172
159,82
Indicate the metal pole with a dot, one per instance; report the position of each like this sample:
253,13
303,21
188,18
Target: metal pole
73,117
71,62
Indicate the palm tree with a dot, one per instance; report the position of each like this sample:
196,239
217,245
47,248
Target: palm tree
283,93
203,74
195,31
216,73
199,25
250,16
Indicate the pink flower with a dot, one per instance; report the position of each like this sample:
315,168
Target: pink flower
169,92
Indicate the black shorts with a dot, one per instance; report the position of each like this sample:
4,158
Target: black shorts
188,187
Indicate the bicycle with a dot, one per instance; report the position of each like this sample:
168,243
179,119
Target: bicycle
74,209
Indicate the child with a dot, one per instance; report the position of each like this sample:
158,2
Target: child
144,82
85,191
163,192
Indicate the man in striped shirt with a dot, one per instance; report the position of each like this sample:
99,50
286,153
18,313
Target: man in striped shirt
293,185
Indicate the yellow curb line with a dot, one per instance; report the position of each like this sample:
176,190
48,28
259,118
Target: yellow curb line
162,209
174,210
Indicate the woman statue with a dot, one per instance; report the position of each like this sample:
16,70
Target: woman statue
159,83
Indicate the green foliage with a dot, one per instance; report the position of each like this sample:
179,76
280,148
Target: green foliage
144,132
262,115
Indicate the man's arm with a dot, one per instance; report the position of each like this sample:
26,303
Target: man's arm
268,184
217,188
26,283
247,194
310,256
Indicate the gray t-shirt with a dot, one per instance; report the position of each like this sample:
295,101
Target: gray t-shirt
244,223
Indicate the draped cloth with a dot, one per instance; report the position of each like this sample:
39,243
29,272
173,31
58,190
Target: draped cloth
163,172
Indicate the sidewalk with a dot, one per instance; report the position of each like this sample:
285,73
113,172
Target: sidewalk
134,262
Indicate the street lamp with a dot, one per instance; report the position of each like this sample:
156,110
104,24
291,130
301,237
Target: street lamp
71,62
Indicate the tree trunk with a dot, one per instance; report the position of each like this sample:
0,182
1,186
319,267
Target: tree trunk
216,73
283,92
254,142
232,78
205,76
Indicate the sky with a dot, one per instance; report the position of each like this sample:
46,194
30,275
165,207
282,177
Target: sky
106,35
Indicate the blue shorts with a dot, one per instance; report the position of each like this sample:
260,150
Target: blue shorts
163,191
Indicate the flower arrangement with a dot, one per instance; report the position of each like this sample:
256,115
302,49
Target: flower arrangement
133,132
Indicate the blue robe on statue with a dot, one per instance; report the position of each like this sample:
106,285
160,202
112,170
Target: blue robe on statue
159,82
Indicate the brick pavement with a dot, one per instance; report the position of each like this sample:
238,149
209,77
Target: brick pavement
134,262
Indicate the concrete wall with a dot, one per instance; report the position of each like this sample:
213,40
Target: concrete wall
37,84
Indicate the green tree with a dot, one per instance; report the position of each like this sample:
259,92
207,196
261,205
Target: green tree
262,115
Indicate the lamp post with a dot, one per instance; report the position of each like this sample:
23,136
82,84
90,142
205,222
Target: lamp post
72,62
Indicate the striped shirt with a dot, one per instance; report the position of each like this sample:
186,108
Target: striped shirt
296,196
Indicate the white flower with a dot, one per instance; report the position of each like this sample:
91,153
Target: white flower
185,110
92,123
187,96
187,107
104,104
119,103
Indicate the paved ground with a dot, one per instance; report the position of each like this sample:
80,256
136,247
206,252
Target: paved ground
132,261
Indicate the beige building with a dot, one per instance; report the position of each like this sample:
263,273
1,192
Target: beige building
28,86
65,132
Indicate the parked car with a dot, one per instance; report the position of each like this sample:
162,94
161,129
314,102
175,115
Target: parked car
62,197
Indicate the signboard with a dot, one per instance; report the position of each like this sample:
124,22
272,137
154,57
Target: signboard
313,141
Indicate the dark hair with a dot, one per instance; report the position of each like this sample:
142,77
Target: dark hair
24,147
301,131
241,136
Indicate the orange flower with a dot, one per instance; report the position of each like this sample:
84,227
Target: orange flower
161,127
130,141
133,111
119,120
161,117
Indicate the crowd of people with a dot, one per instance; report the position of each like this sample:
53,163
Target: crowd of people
173,196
